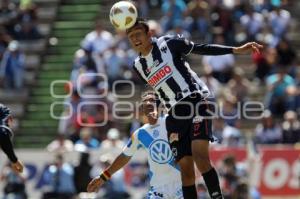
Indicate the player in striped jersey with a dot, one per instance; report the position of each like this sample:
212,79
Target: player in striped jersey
161,64
165,179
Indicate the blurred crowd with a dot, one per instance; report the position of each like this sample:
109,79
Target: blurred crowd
18,25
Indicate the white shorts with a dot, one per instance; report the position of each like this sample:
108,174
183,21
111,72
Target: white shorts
168,191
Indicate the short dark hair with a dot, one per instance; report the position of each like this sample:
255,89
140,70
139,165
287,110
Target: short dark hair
139,22
151,92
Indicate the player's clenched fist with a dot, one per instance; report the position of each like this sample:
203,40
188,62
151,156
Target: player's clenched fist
95,184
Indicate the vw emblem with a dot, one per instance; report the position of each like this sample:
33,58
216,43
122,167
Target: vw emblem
160,152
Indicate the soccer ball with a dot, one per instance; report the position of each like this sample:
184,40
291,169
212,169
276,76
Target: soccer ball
123,15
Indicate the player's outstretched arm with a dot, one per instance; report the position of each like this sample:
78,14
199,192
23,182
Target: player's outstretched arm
117,164
184,46
7,147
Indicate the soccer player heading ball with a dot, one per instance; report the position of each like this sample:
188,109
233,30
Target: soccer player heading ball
161,64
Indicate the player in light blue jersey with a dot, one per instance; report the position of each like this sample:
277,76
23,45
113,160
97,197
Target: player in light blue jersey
165,176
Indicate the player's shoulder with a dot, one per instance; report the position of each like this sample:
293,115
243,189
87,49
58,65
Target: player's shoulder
145,127
170,37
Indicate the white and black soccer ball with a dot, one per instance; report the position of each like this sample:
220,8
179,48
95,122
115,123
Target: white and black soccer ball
123,15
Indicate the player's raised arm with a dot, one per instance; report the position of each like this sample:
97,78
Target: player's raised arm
117,164
186,47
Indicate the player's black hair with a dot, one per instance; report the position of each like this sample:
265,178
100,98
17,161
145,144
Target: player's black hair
139,22
4,114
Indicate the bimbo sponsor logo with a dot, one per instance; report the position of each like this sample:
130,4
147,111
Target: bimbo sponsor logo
159,75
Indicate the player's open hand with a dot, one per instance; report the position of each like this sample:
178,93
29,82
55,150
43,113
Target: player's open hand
95,184
17,166
248,48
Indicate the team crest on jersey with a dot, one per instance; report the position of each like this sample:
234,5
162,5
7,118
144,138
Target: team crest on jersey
160,151
155,133
164,49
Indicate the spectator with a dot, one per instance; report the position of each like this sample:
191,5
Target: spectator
12,67
221,66
115,62
265,62
279,21
229,111
86,139
253,23
60,144
86,76
231,174
113,140
4,41
212,83
268,132
286,54
8,15
68,124
82,173
98,41
173,11
143,8
232,136
198,14
79,60
229,136
27,31
276,98
14,187
60,177
239,86
178,30
290,128
222,22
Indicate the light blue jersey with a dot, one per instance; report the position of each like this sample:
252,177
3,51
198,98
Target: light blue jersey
154,139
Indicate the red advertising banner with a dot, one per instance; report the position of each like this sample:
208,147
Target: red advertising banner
276,170
280,172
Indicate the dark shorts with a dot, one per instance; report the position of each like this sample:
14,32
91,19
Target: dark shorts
190,119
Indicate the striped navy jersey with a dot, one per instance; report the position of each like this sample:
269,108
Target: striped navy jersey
168,73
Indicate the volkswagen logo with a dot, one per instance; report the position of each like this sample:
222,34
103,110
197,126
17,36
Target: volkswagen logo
160,151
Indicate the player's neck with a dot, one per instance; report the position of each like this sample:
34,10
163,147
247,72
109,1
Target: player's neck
152,120
147,50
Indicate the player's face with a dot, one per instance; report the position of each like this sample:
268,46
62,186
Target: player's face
149,104
139,40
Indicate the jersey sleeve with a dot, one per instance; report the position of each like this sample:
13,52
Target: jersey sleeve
181,45
132,145
7,146
185,46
